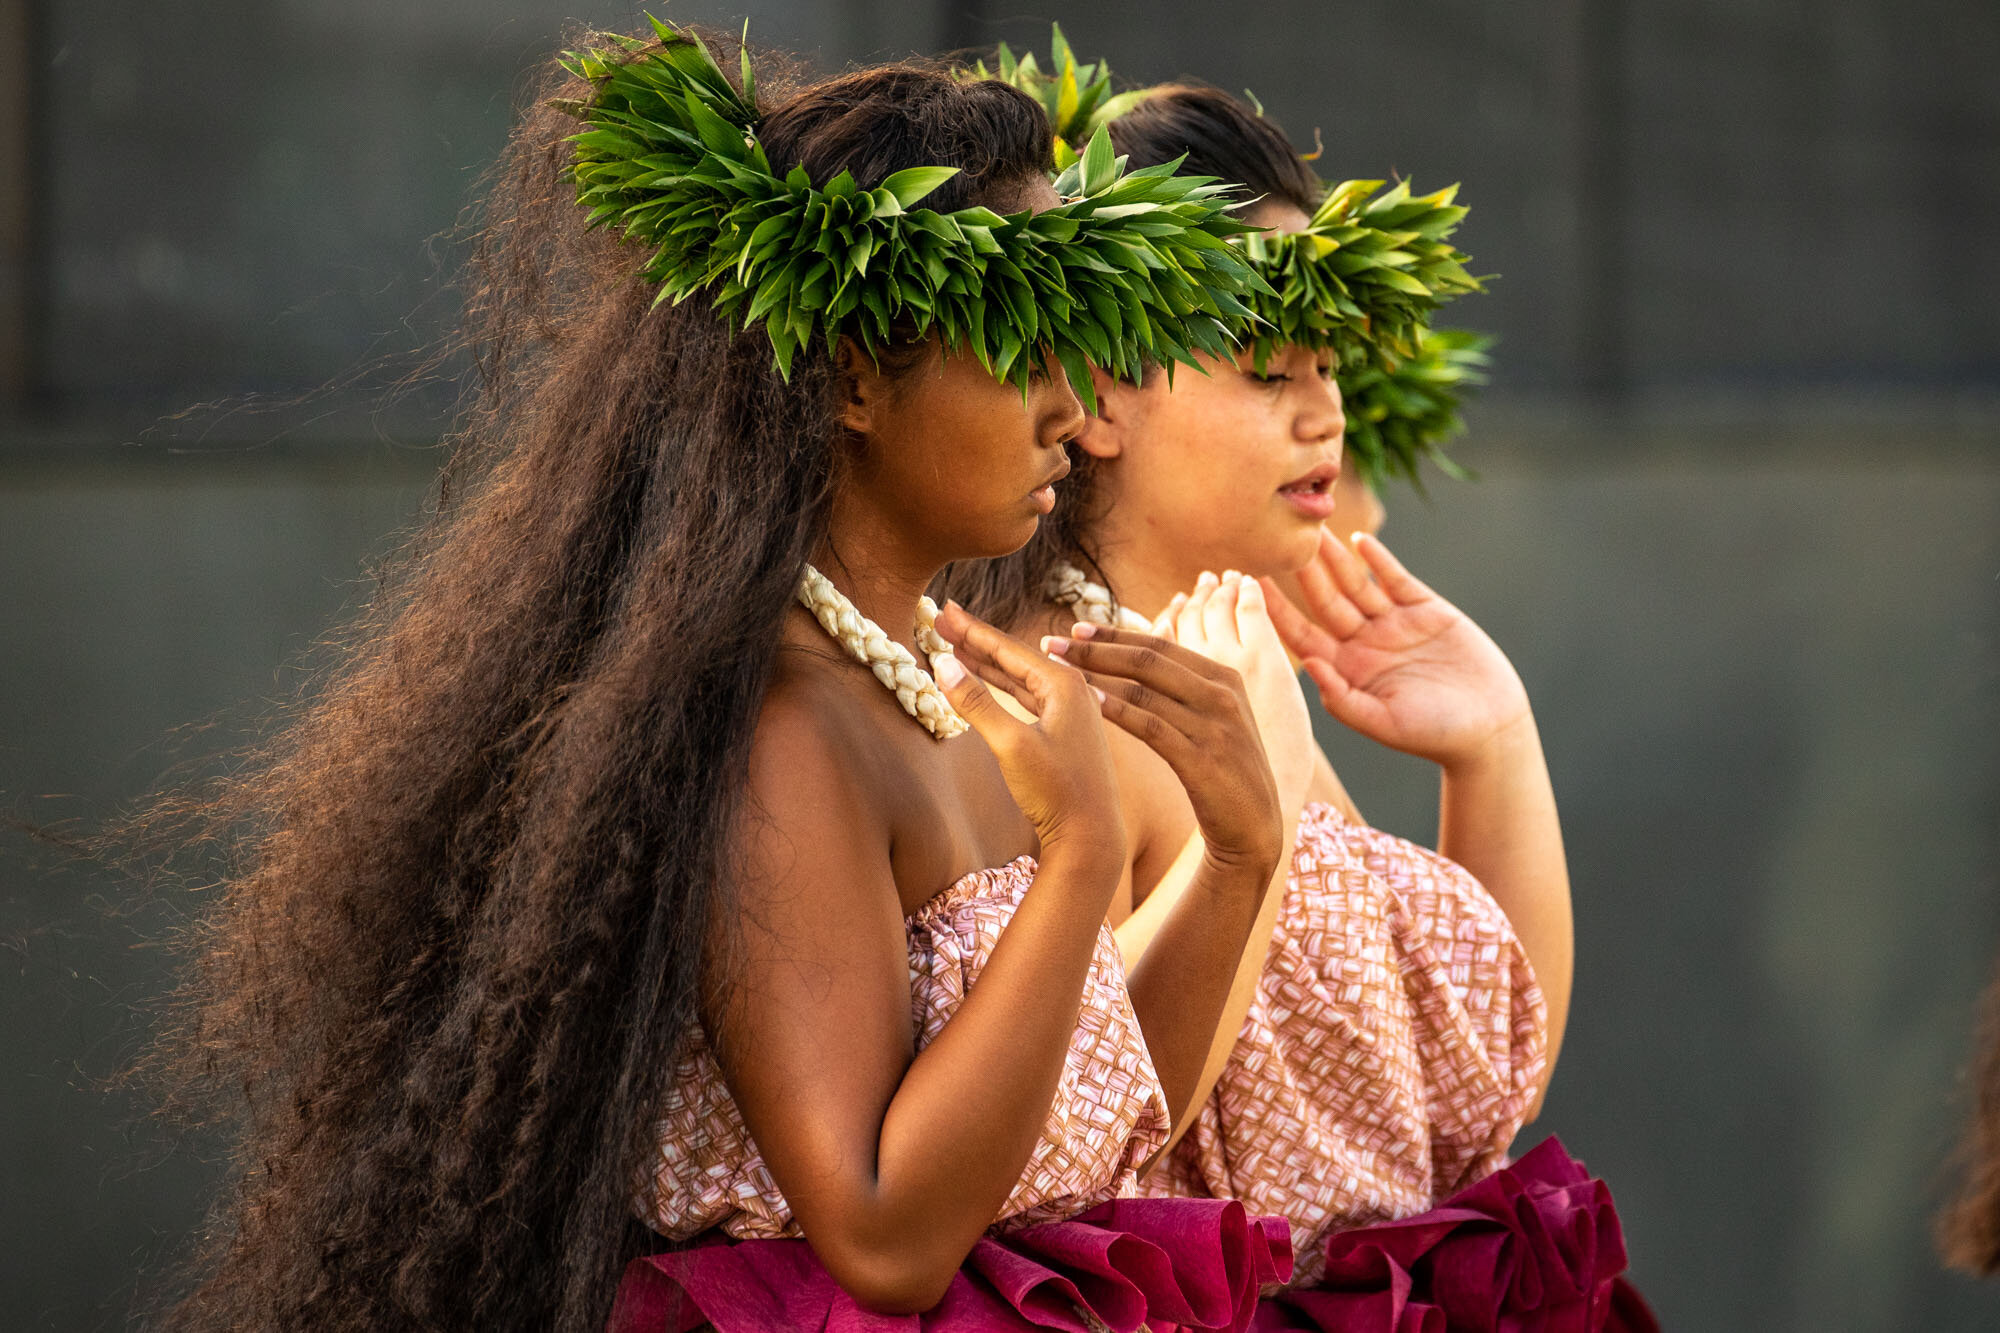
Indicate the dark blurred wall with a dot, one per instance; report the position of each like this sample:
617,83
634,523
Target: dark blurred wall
1739,526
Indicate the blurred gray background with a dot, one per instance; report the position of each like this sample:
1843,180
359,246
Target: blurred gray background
1739,526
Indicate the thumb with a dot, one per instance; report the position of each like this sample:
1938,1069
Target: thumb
974,702
1352,708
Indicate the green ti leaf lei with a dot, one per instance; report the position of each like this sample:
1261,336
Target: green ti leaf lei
1397,416
1361,281
1077,98
1363,278
1131,267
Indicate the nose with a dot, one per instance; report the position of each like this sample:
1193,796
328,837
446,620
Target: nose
1063,415
1324,417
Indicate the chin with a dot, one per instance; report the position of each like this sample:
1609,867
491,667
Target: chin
1006,538
1289,554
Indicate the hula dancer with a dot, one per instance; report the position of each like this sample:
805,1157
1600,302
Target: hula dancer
637,864
1402,1025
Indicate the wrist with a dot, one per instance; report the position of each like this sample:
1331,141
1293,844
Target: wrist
1247,869
1090,853
1514,744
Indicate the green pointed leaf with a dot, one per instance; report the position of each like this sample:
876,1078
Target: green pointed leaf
908,186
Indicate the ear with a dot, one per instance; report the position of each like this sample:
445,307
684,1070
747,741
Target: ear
1104,433
862,387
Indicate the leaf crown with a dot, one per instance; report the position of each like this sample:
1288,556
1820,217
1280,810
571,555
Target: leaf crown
1130,268
1361,281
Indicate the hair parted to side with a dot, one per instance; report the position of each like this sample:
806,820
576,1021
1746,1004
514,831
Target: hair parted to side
1220,135
477,881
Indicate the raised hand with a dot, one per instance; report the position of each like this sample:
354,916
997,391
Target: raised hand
1195,713
1057,767
1394,660
1227,620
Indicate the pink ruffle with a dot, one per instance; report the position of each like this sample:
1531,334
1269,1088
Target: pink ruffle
1160,1264
1533,1248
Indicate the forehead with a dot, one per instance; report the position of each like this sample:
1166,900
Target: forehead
1276,215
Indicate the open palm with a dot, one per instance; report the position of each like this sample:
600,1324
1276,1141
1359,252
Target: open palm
1392,659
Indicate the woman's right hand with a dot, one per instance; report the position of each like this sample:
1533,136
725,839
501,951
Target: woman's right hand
1057,767
1195,713
1228,620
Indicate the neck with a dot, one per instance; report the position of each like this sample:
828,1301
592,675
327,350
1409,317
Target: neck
882,577
1145,574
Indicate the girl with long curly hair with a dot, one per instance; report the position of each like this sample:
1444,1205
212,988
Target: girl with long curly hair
602,913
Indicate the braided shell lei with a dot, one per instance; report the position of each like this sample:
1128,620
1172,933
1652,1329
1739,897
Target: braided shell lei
891,662
1091,602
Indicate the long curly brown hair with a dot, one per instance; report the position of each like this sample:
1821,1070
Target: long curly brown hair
479,882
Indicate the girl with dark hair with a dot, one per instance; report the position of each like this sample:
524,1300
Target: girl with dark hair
605,875
1402,1024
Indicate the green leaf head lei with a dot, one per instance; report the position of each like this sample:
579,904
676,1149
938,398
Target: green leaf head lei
1130,268
1360,282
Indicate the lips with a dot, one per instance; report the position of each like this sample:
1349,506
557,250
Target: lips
1319,481
1312,494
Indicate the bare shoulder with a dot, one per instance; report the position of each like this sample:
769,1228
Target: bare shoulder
804,789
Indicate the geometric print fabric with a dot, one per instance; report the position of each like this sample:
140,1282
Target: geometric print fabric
1108,1116
1389,1055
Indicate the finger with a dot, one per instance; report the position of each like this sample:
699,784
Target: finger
1036,674
1159,659
1406,588
1352,577
1253,618
995,678
1164,740
1138,697
1187,625
1163,624
1303,637
984,664
1345,704
1154,677
976,704
1325,602
1218,617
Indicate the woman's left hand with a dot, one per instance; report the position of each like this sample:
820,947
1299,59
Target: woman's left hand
1395,661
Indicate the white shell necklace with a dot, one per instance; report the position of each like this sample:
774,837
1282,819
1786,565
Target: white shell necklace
892,663
1091,602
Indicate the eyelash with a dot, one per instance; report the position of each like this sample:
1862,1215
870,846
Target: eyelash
1324,372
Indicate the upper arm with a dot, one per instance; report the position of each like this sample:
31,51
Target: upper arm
813,1032
1158,818
1326,786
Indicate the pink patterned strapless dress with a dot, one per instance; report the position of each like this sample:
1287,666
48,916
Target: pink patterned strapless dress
1388,1059
1076,1247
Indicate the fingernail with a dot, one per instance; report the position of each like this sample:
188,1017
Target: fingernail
1231,575
1054,645
950,671
1099,693
1083,629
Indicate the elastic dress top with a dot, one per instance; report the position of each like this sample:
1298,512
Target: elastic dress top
1389,1056
1074,1245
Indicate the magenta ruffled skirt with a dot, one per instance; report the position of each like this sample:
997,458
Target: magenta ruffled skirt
1533,1248
1131,1264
